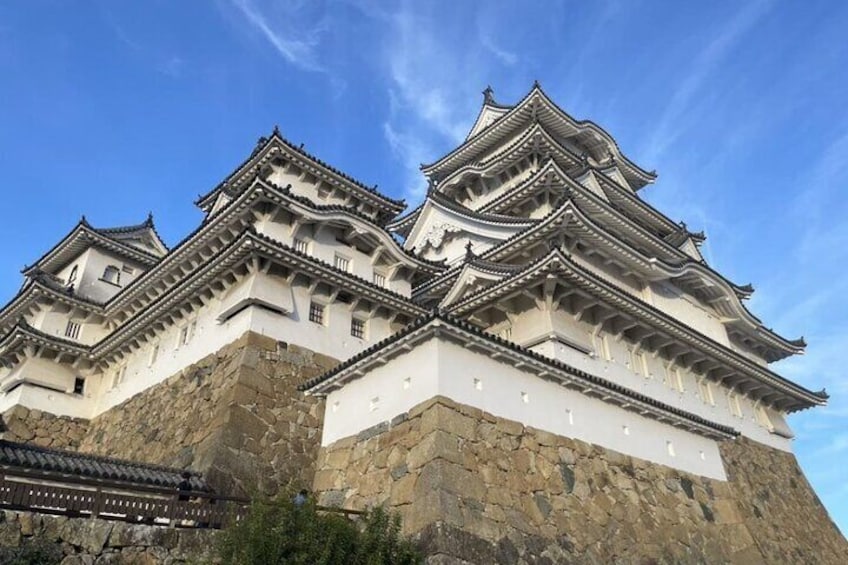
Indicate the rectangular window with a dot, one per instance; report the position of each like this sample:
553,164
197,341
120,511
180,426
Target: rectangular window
186,333
79,385
357,328
605,348
678,381
379,279
316,313
733,404
763,418
635,360
154,354
128,270
342,263
72,330
706,391
301,246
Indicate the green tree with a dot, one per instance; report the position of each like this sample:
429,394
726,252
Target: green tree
277,532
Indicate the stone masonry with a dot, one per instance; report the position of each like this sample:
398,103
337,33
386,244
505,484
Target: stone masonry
478,489
235,416
82,541
42,428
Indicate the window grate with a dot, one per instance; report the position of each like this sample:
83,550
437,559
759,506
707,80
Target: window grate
301,246
316,313
357,328
342,263
380,279
72,330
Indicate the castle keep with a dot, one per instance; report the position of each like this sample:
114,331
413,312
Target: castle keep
545,370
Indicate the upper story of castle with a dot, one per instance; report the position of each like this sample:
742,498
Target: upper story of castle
532,229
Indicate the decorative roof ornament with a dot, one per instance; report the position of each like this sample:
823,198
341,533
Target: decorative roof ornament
489,96
437,232
469,255
277,130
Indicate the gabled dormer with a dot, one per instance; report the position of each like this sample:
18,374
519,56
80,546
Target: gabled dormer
282,163
96,263
442,230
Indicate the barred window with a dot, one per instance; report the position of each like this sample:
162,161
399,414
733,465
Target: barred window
357,328
72,330
301,245
316,313
379,279
342,263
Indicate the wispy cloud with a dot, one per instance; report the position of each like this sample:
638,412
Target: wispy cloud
485,37
674,120
169,65
434,85
295,43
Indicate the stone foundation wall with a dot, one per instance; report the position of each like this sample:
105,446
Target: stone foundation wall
479,489
235,416
83,541
42,428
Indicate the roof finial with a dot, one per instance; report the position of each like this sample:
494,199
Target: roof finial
488,95
276,130
468,253
536,84
149,221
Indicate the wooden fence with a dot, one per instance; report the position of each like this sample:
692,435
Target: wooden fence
116,501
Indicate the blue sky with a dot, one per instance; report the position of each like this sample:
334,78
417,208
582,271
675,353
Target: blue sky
114,109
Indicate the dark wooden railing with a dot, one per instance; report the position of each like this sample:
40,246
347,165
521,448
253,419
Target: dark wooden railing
111,500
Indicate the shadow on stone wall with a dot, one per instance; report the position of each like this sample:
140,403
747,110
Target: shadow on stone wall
235,416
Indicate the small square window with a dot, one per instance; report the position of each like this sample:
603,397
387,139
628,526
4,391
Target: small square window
316,313
301,246
342,263
525,398
407,383
79,385
357,328
374,404
478,384
670,447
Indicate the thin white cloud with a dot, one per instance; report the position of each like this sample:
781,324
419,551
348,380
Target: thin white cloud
674,119
298,47
506,57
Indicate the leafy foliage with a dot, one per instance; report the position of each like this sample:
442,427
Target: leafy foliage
278,532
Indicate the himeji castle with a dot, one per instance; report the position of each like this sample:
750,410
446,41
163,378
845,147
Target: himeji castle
532,363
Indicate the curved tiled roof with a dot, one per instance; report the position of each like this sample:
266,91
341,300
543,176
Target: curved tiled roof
398,204
30,457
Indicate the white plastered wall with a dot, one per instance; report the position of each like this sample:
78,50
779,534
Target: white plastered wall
438,367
